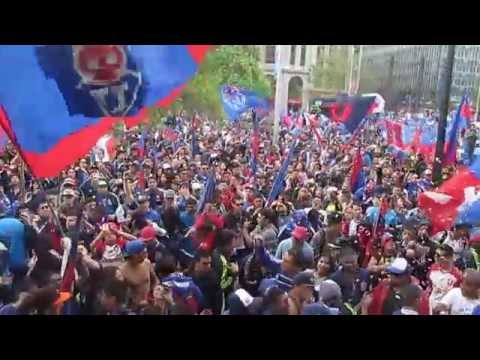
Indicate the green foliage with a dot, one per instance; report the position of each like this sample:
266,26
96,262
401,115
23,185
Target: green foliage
330,73
228,64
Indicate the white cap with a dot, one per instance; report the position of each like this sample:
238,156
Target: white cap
399,266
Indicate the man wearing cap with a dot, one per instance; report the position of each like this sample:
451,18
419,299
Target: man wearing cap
154,194
107,199
327,236
283,270
69,201
187,217
301,292
147,212
353,280
138,272
385,298
299,238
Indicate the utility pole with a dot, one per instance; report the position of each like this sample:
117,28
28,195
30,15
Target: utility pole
350,64
281,92
444,102
359,69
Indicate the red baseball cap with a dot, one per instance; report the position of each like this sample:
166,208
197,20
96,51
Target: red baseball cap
300,233
148,233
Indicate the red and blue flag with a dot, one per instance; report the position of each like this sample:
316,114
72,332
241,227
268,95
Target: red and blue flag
236,101
352,111
357,179
462,115
58,100
455,201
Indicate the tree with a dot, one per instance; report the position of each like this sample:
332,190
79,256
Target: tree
330,72
228,64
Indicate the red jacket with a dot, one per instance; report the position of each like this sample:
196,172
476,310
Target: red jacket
213,221
380,294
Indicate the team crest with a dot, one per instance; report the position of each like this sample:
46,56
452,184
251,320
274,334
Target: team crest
105,76
234,98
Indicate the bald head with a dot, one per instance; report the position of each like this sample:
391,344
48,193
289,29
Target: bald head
472,277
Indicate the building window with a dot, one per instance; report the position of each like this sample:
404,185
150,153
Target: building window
292,54
270,54
303,54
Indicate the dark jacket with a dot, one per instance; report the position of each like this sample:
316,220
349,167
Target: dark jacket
209,285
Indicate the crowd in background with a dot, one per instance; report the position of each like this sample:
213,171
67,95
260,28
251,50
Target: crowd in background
155,236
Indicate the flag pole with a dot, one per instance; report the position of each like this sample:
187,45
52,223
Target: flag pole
56,220
444,101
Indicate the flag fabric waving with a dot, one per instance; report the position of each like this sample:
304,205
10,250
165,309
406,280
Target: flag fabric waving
357,179
352,111
142,144
455,201
58,100
237,101
463,113
105,149
208,192
3,140
279,182
169,134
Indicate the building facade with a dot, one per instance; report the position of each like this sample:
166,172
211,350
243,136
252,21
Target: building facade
295,63
411,73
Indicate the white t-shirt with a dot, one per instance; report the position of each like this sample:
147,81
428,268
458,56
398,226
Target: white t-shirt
442,283
459,304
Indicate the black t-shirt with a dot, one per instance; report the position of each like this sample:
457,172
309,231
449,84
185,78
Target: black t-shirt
209,285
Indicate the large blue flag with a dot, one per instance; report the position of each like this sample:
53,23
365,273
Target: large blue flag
56,101
208,192
237,101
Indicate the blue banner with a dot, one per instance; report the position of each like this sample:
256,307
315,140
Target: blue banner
237,101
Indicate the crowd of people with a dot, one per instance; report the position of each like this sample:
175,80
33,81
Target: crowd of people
154,237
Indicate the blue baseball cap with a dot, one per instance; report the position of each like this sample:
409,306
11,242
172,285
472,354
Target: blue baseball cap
134,247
